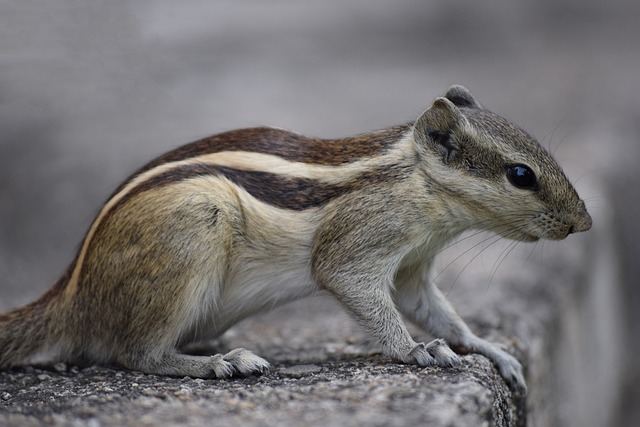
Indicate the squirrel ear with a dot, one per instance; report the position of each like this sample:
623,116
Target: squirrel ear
461,97
435,126
442,117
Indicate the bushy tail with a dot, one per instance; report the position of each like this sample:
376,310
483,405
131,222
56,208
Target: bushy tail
25,331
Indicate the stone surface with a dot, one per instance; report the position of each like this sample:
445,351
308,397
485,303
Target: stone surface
362,391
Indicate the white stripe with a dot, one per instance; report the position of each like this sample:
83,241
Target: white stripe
270,163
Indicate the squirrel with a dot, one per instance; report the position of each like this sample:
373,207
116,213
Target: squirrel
237,223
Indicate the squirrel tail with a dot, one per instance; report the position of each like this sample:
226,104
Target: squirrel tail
27,330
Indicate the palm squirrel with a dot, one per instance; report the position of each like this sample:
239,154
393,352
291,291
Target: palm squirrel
237,223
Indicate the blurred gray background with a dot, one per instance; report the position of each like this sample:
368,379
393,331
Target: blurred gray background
92,89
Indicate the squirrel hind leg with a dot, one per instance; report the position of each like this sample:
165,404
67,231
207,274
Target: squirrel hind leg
238,362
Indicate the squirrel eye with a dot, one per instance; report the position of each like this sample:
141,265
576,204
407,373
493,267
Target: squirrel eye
522,177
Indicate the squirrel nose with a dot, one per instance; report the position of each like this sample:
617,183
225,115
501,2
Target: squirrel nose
582,224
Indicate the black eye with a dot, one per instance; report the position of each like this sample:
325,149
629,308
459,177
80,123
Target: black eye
522,177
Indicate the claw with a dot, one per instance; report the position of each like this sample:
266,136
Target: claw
442,353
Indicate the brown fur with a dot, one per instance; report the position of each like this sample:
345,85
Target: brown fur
288,145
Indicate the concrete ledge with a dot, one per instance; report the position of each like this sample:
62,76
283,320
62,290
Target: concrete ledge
357,392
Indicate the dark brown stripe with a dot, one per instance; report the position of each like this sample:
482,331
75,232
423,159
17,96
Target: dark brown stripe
277,190
283,192
288,145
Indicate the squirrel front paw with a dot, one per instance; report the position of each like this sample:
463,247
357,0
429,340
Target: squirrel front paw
437,353
511,370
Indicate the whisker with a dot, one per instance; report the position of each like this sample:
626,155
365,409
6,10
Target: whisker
534,246
564,139
455,242
588,173
497,261
497,239
508,221
510,248
552,132
475,245
474,234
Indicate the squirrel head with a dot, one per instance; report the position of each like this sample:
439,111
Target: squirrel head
498,176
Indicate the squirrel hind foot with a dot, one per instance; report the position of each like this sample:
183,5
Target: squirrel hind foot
238,362
244,362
